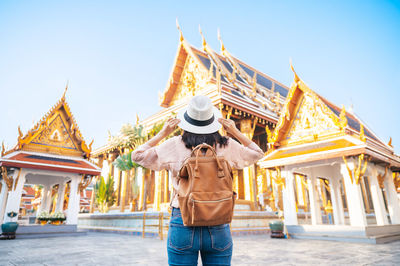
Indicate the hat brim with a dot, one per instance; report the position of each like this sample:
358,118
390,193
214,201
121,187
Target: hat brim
211,128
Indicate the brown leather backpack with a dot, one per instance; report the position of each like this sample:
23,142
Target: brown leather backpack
205,189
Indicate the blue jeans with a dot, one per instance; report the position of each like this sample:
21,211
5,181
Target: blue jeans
185,242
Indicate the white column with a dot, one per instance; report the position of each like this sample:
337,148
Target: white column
60,197
392,198
45,199
14,195
334,198
3,199
355,202
289,200
315,207
377,198
48,198
73,203
157,190
337,203
247,183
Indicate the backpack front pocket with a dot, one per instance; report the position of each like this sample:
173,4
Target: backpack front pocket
211,208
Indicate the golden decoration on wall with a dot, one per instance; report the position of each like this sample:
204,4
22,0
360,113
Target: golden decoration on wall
342,119
311,120
396,180
362,134
85,182
192,80
381,178
359,169
8,180
277,177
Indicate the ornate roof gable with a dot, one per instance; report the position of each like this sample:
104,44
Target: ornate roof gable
56,133
188,76
305,118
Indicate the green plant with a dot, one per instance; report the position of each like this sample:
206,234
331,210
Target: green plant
105,195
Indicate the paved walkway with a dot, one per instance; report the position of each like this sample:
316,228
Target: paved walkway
115,249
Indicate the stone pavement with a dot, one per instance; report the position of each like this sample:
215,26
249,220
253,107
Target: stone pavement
116,249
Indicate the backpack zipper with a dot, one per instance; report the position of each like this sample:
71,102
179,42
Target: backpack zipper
210,201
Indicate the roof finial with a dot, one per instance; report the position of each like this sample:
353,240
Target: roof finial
3,149
296,78
204,40
179,29
220,39
390,142
65,90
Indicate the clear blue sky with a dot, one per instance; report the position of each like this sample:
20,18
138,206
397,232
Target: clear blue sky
117,55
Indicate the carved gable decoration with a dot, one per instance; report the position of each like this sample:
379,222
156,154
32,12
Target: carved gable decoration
311,121
56,135
192,80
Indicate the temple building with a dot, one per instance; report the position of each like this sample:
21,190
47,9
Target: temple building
247,96
51,163
323,165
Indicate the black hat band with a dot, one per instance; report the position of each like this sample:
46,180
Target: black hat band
200,123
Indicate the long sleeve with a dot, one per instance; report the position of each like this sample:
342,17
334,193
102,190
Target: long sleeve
241,156
158,157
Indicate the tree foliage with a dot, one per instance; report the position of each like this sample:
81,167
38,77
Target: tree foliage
105,195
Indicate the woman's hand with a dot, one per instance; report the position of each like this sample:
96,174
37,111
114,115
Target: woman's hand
228,125
170,126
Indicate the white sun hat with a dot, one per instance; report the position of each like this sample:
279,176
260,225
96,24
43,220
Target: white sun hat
200,116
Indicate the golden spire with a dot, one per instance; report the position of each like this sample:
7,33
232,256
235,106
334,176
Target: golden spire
220,39
65,90
3,149
137,119
180,31
204,40
296,78
390,142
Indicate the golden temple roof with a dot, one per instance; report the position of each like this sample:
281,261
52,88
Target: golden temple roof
56,133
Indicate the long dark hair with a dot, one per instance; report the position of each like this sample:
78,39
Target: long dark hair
191,140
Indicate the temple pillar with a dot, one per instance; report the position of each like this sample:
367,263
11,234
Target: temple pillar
315,207
157,190
60,197
73,203
248,176
3,199
355,202
93,196
45,206
141,179
289,199
377,198
14,195
124,181
117,185
337,204
392,198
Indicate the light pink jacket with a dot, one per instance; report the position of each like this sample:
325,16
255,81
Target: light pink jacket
171,154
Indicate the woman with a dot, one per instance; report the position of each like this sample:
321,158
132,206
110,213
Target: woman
200,122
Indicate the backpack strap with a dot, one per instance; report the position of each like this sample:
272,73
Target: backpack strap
197,149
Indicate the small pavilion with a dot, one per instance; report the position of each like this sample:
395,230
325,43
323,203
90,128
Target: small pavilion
334,168
54,155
